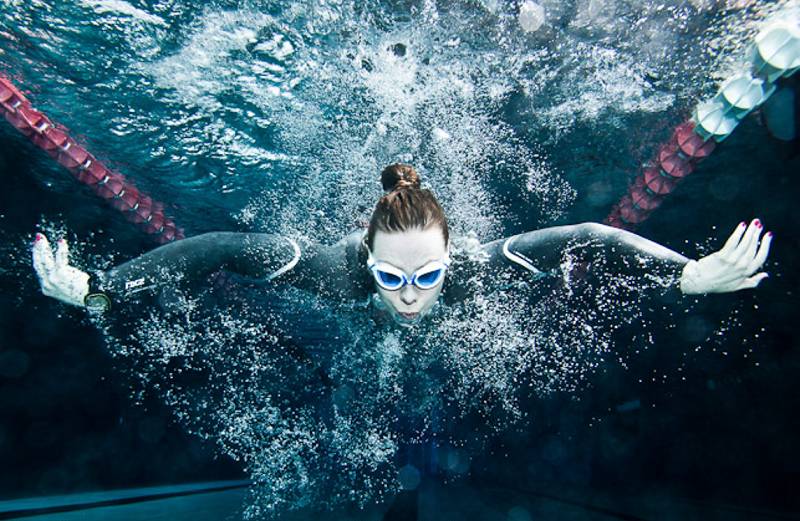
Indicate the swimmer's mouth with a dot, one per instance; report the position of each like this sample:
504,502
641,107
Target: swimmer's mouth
408,316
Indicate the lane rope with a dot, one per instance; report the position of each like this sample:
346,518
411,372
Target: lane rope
119,192
774,54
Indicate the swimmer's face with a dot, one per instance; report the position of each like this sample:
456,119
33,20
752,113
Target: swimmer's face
409,251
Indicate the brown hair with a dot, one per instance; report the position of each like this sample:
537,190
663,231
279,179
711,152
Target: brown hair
405,204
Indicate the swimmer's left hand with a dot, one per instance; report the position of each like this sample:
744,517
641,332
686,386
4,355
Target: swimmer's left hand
732,268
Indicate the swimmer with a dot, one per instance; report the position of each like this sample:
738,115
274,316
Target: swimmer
404,256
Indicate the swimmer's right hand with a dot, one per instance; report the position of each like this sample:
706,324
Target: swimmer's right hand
57,278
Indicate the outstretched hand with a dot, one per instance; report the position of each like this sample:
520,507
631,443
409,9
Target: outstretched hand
733,267
57,278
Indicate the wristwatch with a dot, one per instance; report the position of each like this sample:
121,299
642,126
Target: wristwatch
96,301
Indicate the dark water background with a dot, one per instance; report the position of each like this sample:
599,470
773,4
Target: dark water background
725,432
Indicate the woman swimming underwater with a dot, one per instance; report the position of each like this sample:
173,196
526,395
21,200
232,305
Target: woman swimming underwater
404,255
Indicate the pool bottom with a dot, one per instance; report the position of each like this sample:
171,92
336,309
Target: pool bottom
57,507
433,501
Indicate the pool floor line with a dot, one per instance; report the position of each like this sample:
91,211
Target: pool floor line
572,502
148,494
760,514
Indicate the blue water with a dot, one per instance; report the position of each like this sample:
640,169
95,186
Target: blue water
278,116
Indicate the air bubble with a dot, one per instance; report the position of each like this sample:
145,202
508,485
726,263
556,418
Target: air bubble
531,16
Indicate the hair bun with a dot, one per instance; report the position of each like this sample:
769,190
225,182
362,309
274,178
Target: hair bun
399,175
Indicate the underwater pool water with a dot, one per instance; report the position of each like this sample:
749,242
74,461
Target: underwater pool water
278,116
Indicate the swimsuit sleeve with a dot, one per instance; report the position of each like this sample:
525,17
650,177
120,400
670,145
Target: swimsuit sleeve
254,255
543,250
328,270
336,271
552,252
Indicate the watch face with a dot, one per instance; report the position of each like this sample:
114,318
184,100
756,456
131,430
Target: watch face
97,303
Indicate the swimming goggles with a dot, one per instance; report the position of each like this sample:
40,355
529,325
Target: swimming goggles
391,279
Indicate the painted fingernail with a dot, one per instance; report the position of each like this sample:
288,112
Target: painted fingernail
769,234
757,223
38,238
742,224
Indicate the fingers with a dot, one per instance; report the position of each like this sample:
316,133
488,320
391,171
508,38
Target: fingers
746,250
62,253
733,240
761,256
43,261
752,282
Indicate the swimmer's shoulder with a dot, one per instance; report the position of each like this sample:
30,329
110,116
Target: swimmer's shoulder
354,241
355,246
356,261
356,237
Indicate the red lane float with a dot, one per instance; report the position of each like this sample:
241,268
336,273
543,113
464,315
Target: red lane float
120,193
774,54
675,160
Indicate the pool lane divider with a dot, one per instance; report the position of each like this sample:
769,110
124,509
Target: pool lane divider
774,54
137,207
17,508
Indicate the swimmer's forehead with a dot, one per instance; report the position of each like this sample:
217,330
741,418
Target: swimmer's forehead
411,249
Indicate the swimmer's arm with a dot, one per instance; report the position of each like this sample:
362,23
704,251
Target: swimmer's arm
542,252
256,255
730,269
249,254
552,253
327,270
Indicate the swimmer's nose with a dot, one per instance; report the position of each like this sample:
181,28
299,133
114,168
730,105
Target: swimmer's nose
407,295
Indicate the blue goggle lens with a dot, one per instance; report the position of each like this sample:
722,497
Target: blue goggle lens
430,279
389,280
